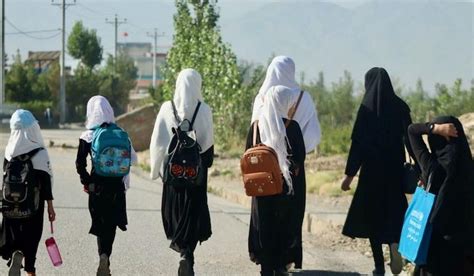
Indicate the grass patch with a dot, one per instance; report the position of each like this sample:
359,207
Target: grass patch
326,183
234,149
225,172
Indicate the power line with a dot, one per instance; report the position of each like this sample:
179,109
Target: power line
27,33
62,78
34,32
138,27
155,36
116,22
91,10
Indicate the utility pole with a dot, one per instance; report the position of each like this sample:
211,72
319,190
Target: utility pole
116,22
155,47
62,74
2,62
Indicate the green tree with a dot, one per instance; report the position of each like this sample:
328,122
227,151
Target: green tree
84,84
19,82
52,79
420,103
198,44
321,97
84,44
117,79
342,100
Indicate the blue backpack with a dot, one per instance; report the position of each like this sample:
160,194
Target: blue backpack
111,151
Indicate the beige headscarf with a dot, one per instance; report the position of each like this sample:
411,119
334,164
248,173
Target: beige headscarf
281,71
186,97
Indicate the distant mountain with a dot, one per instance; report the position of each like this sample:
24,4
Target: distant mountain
428,40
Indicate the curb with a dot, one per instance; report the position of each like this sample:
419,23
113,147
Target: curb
313,223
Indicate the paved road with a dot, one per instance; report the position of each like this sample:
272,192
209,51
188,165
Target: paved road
143,249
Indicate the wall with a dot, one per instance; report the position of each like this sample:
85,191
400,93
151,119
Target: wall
139,125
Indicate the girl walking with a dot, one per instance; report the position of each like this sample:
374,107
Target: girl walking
107,204
275,222
20,237
377,149
184,210
281,71
450,165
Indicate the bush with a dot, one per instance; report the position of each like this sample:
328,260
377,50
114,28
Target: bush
37,108
335,140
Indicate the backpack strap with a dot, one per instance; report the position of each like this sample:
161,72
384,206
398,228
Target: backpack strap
255,130
175,112
293,109
195,115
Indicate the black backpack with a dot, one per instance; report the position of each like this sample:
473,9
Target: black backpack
20,190
182,164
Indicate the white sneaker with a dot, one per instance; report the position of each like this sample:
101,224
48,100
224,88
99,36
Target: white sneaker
396,261
104,266
15,264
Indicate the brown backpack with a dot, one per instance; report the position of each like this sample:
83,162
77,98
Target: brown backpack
259,165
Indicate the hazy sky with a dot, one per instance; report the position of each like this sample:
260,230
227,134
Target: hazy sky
142,16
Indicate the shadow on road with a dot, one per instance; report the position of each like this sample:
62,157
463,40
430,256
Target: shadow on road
322,273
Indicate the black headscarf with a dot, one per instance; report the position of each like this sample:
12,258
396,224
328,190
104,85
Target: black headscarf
381,116
454,207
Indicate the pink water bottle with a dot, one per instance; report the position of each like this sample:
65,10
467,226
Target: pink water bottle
53,250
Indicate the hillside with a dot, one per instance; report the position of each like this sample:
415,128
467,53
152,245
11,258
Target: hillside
411,39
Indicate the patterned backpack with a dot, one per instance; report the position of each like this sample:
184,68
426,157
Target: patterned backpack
111,151
183,165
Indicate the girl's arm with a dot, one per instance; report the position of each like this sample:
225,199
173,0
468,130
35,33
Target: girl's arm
81,162
207,157
419,148
46,192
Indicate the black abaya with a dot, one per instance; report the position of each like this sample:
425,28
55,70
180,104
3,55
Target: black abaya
107,202
275,234
379,203
25,234
185,212
450,164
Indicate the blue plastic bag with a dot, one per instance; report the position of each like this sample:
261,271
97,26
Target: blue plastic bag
416,231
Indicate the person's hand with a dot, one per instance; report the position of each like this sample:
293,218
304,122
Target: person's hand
85,188
346,183
51,213
445,130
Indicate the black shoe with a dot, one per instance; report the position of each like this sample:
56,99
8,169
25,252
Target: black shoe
104,266
396,261
379,271
281,272
185,268
15,264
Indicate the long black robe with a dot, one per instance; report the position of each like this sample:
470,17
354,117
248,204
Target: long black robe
275,234
379,203
452,182
185,212
107,203
25,234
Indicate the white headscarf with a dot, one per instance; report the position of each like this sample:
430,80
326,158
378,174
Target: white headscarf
277,102
186,97
100,111
281,71
25,136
